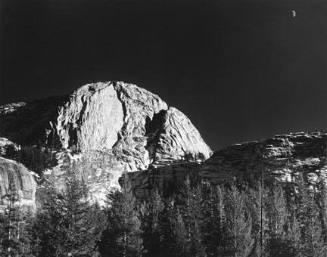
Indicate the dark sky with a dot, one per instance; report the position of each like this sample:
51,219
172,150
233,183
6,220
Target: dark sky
239,69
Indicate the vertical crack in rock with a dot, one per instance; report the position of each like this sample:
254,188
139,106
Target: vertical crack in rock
125,114
153,128
72,136
95,114
140,105
82,112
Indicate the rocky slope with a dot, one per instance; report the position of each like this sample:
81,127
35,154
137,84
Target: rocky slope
102,129
282,158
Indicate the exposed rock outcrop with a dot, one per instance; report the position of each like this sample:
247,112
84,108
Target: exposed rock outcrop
178,137
282,158
90,119
103,130
7,147
18,180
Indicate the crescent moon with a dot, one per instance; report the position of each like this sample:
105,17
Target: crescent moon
293,12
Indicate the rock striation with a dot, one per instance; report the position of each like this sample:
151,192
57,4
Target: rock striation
16,178
176,136
102,129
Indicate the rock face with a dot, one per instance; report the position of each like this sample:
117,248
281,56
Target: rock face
117,116
104,129
91,119
283,158
14,177
176,136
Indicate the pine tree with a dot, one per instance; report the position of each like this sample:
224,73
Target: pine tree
277,211
150,212
239,224
312,240
294,234
172,231
122,236
64,225
322,187
191,217
214,227
257,206
47,226
164,231
14,239
278,244
79,226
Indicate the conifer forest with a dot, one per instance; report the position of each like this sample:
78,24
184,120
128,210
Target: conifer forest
200,220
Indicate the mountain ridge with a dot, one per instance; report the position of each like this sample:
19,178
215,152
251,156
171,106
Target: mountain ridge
284,158
117,123
108,131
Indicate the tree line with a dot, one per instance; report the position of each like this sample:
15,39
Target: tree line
200,220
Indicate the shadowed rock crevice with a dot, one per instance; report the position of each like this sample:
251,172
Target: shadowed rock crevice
73,138
35,158
29,123
82,112
121,133
153,129
118,93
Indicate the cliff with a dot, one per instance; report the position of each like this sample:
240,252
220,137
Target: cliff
283,158
102,130
17,179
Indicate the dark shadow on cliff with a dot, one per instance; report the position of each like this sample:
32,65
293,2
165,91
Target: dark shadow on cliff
30,123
